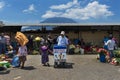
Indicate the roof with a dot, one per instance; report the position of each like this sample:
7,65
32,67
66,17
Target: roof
66,24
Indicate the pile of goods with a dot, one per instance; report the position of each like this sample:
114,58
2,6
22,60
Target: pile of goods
103,55
116,59
4,64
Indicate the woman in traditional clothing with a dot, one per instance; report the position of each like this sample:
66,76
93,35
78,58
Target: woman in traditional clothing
44,55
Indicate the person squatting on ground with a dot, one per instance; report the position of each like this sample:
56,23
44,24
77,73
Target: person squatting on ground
22,53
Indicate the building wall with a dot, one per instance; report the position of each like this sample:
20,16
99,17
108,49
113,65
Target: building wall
94,37
88,36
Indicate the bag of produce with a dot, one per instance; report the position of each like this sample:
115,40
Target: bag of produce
21,38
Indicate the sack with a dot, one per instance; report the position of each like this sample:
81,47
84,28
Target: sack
77,50
21,38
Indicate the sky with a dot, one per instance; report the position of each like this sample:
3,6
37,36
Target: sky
82,11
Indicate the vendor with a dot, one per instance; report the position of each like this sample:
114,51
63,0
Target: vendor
62,39
9,51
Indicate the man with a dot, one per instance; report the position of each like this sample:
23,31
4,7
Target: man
111,44
62,39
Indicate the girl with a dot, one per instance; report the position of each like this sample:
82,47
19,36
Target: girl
22,53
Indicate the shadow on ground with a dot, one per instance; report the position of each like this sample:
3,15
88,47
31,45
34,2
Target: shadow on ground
4,71
29,68
68,65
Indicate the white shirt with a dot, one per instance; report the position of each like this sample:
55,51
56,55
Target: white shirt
110,44
62,41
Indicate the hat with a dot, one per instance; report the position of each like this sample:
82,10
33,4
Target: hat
62,32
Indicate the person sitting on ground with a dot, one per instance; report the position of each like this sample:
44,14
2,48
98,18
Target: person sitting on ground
71,48
9,51
77,49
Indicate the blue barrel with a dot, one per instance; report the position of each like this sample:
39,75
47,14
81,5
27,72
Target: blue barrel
102,58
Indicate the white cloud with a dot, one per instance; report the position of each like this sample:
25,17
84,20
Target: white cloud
2,4
51,14
65,6
31,8
91,10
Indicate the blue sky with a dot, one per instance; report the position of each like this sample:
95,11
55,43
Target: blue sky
82,11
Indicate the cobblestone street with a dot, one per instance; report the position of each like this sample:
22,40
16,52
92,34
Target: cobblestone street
80,67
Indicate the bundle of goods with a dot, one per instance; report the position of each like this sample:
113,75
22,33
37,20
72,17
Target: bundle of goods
3,57
103,55
37,41
117,53
3,66
21,38
77,49
116,59
3,61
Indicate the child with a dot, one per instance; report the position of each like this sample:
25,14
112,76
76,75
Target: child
22,53
44,55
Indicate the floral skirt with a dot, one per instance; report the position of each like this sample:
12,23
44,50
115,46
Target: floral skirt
22,58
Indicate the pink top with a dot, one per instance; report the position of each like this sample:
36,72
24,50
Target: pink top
22,51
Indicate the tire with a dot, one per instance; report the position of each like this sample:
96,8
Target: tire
55,65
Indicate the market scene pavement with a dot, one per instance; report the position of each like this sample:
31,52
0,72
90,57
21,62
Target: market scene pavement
79,67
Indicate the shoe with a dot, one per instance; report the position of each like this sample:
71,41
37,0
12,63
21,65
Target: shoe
48,64
44,65
22,67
